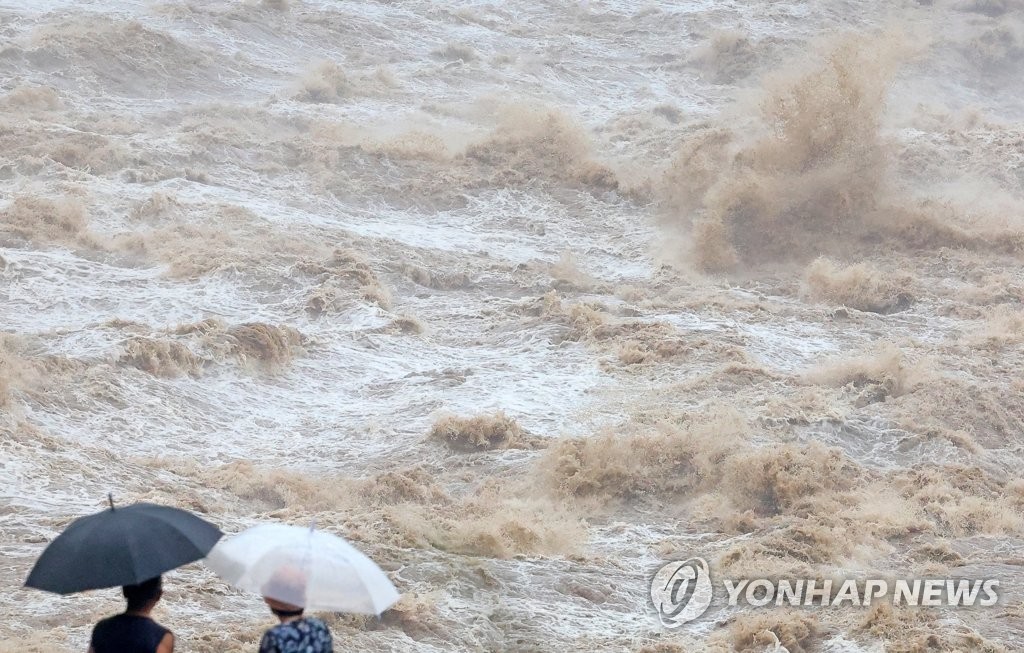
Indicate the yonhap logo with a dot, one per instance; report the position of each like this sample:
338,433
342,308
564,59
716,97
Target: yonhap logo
681,591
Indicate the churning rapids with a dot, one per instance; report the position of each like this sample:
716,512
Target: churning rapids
525,299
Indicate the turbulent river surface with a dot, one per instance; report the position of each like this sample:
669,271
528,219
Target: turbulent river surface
525,299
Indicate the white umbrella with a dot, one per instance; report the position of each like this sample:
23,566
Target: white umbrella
304,567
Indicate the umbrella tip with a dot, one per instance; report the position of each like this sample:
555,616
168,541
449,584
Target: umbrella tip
110,498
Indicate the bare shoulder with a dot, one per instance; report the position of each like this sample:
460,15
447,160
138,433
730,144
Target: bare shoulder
166,644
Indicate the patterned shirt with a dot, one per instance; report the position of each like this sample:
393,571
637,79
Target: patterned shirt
306,635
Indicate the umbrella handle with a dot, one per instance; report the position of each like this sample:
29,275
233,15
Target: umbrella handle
110,498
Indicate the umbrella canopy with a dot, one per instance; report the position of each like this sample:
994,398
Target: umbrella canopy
303,567
121,546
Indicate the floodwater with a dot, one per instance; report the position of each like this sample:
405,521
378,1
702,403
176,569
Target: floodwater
525,300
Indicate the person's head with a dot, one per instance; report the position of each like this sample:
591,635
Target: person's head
143,597
285,591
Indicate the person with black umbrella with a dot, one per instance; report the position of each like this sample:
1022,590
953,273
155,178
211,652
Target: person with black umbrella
129,547
134,630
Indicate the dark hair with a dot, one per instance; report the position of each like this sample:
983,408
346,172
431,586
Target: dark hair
145,592
287,613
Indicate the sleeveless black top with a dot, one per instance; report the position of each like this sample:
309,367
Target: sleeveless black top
126,633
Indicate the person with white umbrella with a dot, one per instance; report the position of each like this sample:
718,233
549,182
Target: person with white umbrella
298,569
296,633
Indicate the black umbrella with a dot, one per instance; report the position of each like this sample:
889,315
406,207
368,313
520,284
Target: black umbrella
122,546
